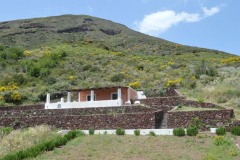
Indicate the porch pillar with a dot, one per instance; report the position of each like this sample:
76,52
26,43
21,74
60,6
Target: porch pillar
92,95
69,97
120,96
48,98
128,100
79,97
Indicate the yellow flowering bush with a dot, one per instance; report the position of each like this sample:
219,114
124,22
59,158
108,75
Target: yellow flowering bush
231,60
3,88
71,77
10,87
27,53
16,97
135,85
173,83
193,78
171,63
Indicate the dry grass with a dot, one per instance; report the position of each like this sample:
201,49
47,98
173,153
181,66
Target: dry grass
110,147
22,139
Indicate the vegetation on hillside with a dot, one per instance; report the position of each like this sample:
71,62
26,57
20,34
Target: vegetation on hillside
53,54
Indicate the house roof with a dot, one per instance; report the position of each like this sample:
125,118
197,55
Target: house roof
96,88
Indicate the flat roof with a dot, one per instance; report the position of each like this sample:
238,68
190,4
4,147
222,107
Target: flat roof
94,88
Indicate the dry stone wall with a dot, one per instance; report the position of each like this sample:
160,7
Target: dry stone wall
234,123
75,111
19,108
200,104
208,118
163,103
170,92
98,118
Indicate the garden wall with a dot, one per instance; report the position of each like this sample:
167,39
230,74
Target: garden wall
163,103
10,108
74,111
97,118
234,123
200,104
208,118
170,92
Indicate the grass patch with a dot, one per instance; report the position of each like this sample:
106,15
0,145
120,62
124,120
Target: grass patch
21,139
42,146
144,148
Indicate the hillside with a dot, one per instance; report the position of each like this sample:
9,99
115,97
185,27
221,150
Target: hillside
56,53
34,33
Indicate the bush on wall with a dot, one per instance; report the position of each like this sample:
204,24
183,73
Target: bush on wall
235,130
178,132
221,131
192,131
120,131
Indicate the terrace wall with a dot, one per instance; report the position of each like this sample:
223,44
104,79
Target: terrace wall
97,118
163,103
74,111
208,118
19,108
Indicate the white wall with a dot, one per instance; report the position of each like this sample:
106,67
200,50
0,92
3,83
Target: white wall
131,131
87,104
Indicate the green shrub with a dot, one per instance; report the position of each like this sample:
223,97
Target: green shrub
220,140
117,77
178,132
120,131
91,131
35,71
137,132
6,130
42,146
13,97
235,130
152,133
221,131
192,131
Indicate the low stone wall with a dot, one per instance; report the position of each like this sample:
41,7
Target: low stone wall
208,118
11,108
163,103
170,92
200,104
74,111
234,123
102,121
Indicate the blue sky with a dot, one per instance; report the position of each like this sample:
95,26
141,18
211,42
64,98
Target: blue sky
210,24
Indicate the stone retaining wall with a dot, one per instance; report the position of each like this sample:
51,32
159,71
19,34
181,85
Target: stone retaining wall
170,92
102,121
208,118
200,104
168,103
163,103
74,111
234,123
10,108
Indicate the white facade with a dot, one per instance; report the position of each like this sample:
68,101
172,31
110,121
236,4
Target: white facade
87,104
92,102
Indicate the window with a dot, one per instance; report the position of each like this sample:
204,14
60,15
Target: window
89,97
114,96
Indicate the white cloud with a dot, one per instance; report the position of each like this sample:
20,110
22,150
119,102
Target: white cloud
211,11
159,22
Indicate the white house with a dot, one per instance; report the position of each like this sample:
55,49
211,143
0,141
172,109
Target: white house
98,97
